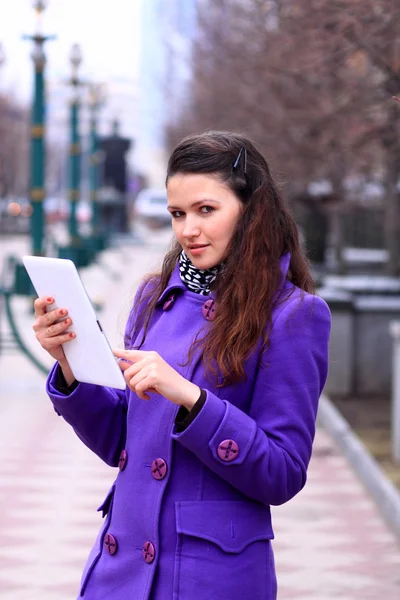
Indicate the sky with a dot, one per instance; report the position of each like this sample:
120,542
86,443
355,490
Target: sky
109,35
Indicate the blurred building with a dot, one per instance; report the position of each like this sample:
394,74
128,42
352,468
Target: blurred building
167,30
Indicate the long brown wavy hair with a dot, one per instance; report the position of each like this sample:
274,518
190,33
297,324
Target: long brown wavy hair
250,277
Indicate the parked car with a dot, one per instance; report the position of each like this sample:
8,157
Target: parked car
150,208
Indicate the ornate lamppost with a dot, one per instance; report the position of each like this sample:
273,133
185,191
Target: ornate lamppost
37,177
21,284
96,100
75,144
77,250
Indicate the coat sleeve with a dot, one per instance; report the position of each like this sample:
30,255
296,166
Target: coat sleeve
97,414
271,446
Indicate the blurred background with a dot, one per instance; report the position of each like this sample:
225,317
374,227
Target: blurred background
93,98
311,82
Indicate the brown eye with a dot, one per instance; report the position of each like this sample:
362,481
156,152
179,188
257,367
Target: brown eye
205,210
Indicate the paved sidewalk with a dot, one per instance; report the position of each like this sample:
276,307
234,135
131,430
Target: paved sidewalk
330,540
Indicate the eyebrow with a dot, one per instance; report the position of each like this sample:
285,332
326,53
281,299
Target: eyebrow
203,201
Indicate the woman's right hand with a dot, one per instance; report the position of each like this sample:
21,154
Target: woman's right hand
52,334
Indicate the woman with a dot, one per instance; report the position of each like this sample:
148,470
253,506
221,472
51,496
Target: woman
225,358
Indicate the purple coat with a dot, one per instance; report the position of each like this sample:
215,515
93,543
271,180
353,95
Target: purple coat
188,516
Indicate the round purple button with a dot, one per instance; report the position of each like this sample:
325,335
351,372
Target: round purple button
148,552
228,450
159,468
111,544
208,310
123,459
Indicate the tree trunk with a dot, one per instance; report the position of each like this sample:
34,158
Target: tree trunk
338,174
392,217
335,241
392,199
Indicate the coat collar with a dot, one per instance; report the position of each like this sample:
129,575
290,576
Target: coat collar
176,284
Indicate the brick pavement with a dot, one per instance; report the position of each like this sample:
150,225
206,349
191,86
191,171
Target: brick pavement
330,540
50,489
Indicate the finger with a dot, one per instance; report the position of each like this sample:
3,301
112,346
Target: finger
51,343
140,383
41,304
133,381
124,364
49,318
142,388
58,314
58,328
129,368
132,355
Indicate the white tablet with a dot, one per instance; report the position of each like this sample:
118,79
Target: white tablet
89,354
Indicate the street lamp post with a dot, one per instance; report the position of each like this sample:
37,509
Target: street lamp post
37,177
21,284
75,145
96,100
78,249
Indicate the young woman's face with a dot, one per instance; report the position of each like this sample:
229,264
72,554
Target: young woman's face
204,216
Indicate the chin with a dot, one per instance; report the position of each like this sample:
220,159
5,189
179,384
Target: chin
204,263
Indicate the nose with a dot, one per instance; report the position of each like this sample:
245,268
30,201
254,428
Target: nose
190,228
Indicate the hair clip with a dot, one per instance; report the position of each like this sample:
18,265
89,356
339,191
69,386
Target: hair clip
236,163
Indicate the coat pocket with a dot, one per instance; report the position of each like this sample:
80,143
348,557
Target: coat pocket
95,553
223,551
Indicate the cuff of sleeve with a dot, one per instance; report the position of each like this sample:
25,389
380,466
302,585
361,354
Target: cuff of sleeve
197,435
184,417
61,385
62,400
219,424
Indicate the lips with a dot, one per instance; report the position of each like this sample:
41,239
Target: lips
196,246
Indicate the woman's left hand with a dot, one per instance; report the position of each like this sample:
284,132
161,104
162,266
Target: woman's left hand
148,372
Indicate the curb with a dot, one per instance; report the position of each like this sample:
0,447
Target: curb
380,488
